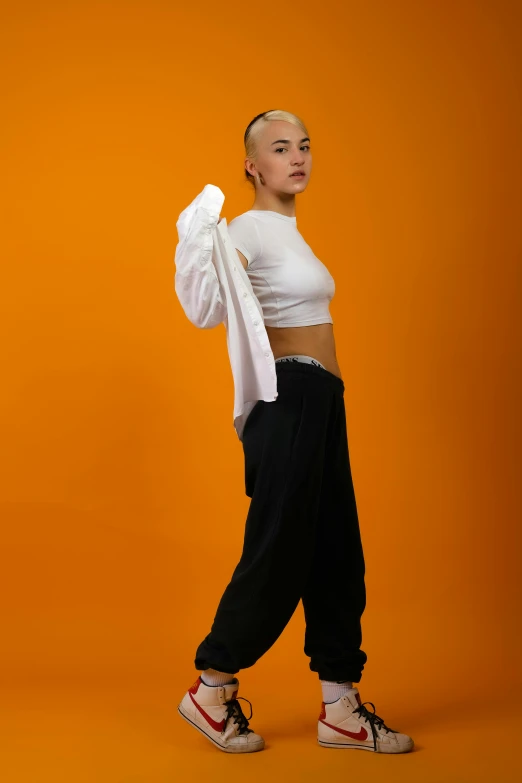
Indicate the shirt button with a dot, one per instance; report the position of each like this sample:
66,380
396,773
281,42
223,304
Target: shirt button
256,323
267,353
245,293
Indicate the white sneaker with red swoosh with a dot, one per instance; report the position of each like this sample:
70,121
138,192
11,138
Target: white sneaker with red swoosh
215,711
346,723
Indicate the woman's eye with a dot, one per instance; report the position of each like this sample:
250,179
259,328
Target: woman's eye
282,148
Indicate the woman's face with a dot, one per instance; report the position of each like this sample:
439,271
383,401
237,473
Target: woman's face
282,150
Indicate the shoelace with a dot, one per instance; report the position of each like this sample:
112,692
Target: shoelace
374,720
234,711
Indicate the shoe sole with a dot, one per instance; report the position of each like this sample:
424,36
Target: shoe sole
346,746
230,749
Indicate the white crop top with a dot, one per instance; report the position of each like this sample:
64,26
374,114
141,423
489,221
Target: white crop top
293,286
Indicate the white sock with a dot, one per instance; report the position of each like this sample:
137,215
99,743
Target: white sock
332,690
213,677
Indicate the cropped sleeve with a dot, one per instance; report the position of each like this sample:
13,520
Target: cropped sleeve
245,237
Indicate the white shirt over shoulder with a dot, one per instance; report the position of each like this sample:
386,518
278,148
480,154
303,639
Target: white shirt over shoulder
284,285
213,288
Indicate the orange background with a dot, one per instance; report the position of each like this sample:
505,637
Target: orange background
122,489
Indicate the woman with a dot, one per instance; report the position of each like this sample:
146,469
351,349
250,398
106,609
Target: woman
302,538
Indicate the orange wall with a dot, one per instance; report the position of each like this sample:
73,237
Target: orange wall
121,484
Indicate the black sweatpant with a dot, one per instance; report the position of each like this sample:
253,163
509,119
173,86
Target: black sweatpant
302,539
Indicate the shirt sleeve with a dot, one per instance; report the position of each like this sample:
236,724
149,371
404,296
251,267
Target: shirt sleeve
245,237
196,281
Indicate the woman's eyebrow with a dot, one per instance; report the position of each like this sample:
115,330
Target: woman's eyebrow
287,141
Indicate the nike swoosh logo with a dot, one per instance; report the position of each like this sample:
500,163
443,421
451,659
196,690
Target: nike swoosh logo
361,735
215,725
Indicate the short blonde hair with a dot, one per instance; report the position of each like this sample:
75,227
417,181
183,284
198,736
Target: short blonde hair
254,128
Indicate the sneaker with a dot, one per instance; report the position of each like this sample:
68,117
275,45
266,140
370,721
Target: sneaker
215,711
346,723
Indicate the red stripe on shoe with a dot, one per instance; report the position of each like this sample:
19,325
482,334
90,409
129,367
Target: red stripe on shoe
215,725
362,734
194,688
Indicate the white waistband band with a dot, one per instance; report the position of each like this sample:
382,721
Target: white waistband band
299,357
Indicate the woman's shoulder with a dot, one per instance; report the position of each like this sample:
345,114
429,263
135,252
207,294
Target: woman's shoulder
245,218
245,236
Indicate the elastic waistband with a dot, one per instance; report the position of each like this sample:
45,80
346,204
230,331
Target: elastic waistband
300,357
303,368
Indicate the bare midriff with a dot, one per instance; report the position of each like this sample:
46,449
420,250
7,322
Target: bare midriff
317,341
